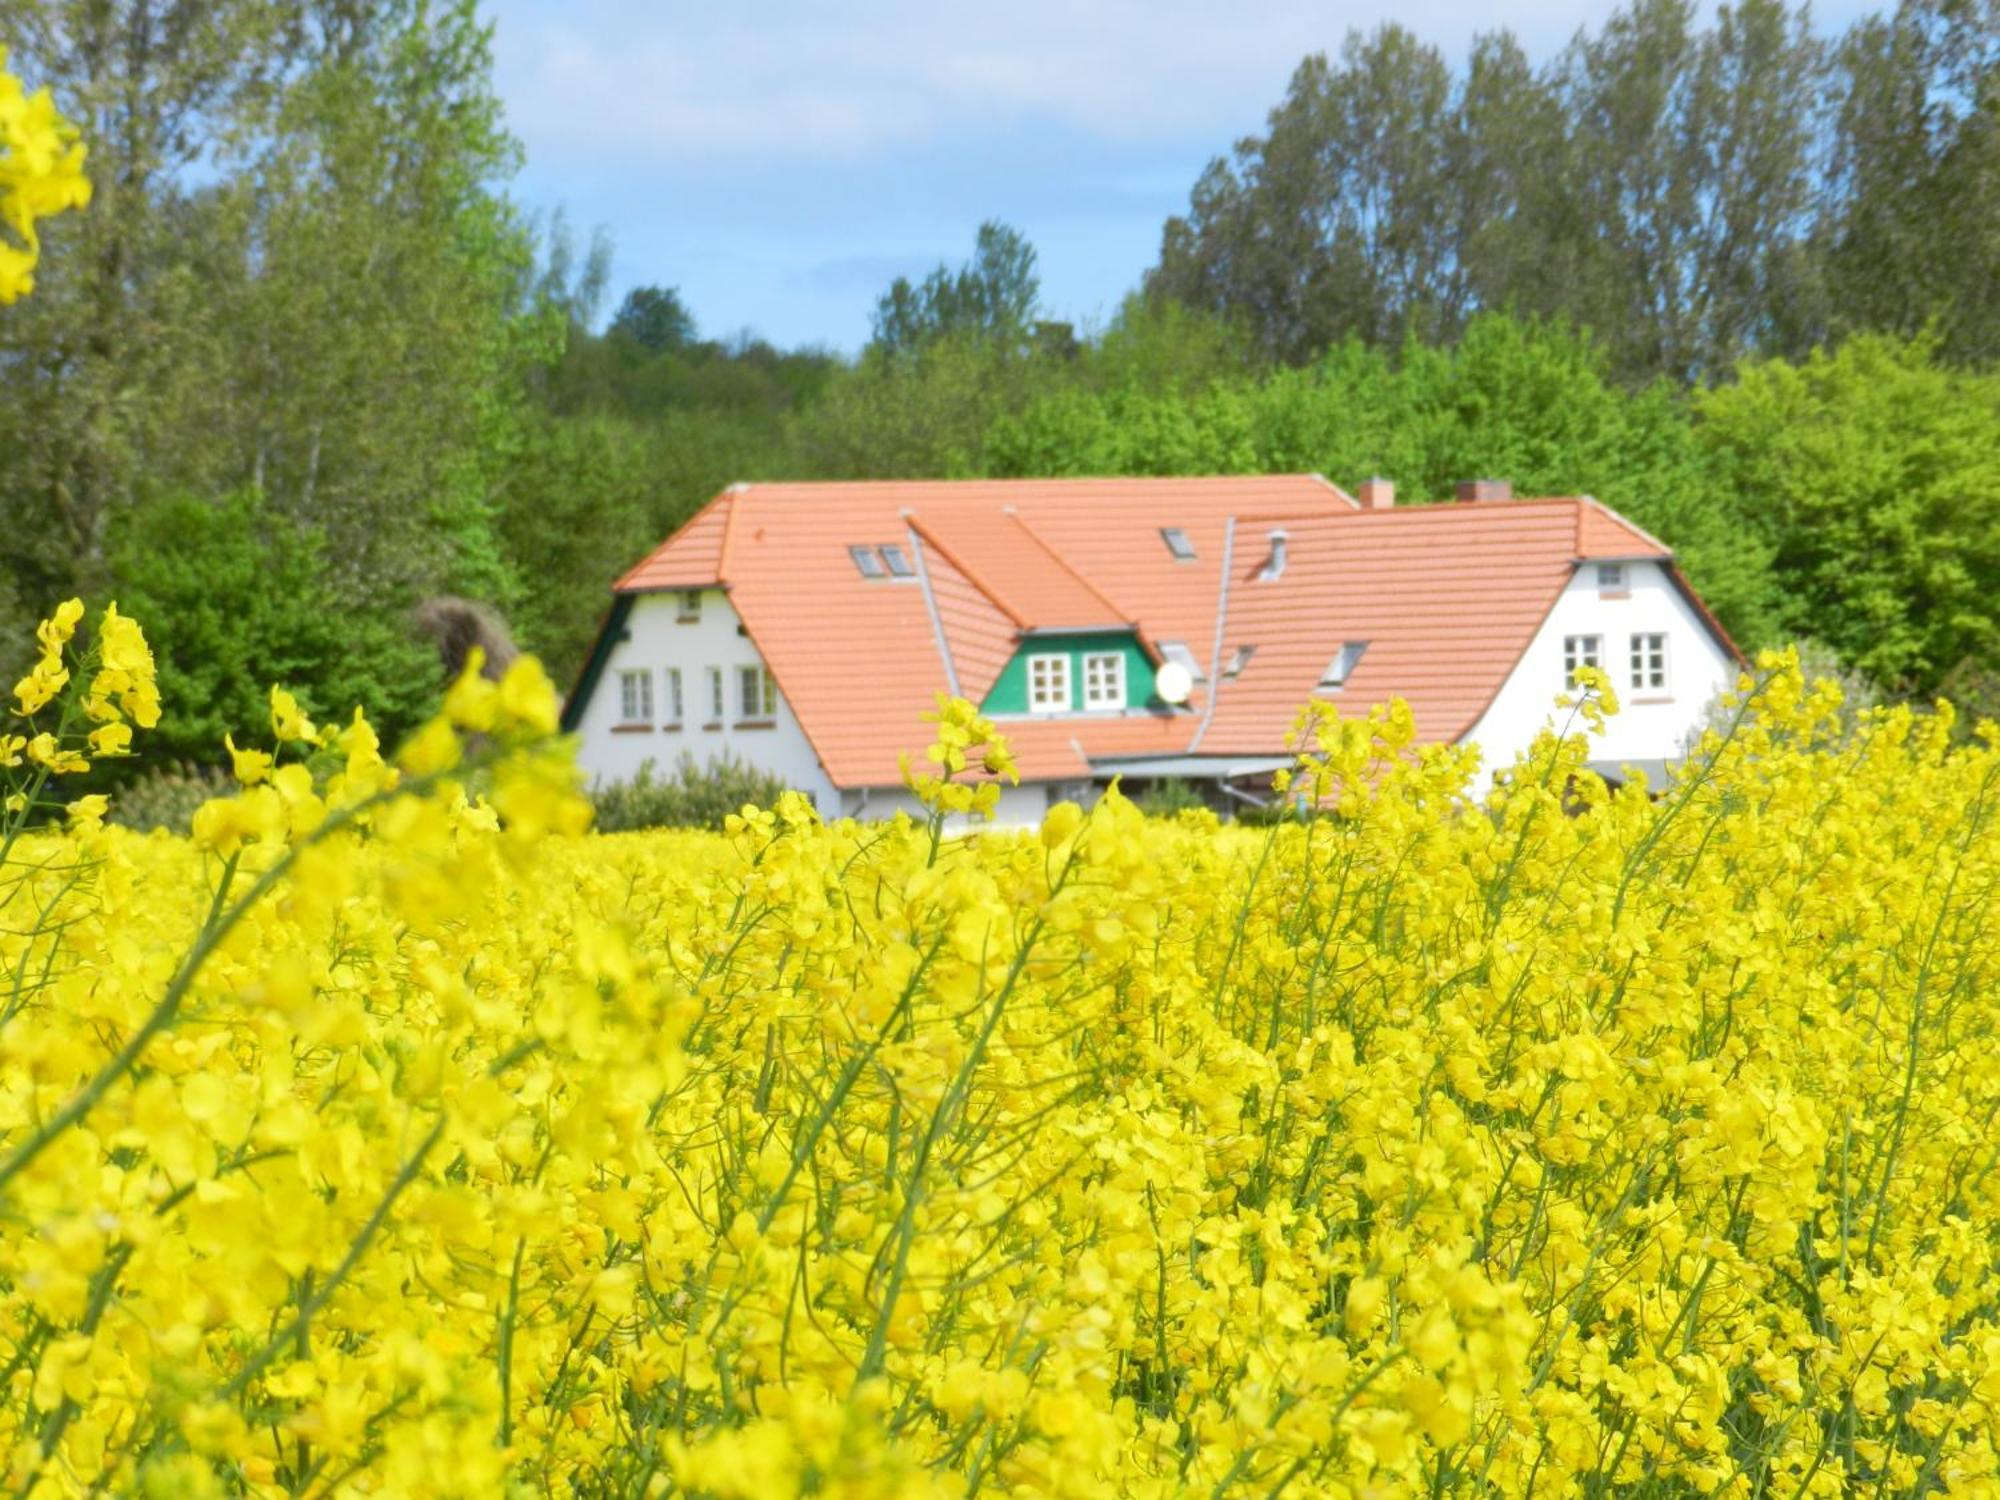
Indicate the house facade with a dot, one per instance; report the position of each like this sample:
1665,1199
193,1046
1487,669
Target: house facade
1140,628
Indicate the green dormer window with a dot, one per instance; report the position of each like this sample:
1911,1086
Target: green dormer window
1072,672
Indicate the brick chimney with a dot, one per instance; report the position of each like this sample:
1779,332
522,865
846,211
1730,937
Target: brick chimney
1485,489
1376,494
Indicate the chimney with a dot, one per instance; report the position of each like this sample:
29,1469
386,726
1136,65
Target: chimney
1275,563
1485,489
1376,494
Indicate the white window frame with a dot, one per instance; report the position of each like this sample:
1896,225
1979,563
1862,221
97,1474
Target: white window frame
635,696
1105,691
1612,578
689,607
673,676
1650,673
756,695
896,558
718,705
1180,546
1048,677
868,563
1581,651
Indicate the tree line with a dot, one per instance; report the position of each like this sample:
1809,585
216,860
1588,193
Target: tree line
304,364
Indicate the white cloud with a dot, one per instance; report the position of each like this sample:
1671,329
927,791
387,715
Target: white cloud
802,82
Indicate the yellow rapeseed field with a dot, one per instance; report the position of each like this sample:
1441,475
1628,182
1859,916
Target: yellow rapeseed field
392,1135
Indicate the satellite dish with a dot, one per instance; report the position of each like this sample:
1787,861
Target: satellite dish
1173,683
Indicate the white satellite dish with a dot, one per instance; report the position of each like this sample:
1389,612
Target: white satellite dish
1173,683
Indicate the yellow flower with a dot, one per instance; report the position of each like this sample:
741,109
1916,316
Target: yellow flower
288,721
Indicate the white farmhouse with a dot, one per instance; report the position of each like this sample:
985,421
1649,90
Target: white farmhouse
1142,628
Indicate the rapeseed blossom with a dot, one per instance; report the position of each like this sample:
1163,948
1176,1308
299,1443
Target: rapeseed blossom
395,1135
41,175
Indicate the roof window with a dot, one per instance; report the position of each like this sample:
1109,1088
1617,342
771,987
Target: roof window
867,560
1177,543
1239,660
1337,671
897,561
1274,565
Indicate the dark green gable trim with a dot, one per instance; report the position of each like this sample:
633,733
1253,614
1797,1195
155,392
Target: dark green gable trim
609,634
1009,693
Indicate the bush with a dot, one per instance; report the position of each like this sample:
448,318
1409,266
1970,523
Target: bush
695,796
166,797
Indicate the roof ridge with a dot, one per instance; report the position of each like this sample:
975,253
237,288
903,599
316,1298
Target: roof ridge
1591,502
1092,589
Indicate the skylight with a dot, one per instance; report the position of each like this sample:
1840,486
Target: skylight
868,561
1239,660
1338,670
1177,543
898,561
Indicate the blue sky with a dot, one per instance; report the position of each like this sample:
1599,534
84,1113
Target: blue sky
781,162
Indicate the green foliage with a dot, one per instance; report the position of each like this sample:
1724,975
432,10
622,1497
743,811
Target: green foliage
992,296
1169,798
1873,476
237,597
694,796
655,319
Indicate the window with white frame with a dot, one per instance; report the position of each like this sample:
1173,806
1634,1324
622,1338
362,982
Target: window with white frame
1649,662
1580,651
757,693
690,607
1177,543
715,704
635,697
1048,684
1611,578
673,675
897,561
1104,680
868,562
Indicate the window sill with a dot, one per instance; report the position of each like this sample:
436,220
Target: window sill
1614,593
687,619
712,726
1654,698
670,729
756,724
631,728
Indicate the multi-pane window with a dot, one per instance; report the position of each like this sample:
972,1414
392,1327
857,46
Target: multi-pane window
757,693
1580,651
690,606
1649,662
673,695
1611,577
635,697
715,704
1104,680
1048,684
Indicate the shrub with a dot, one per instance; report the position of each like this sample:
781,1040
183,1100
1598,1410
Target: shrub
694,796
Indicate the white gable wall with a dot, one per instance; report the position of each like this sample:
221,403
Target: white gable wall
656,640
1650,725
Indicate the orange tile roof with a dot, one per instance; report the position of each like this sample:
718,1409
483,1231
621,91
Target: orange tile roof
1448,596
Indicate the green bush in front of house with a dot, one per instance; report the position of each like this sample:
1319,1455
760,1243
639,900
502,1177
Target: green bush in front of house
694,796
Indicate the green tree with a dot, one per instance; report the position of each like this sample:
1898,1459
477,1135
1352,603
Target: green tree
992,296
655,319
236,596
1873,475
